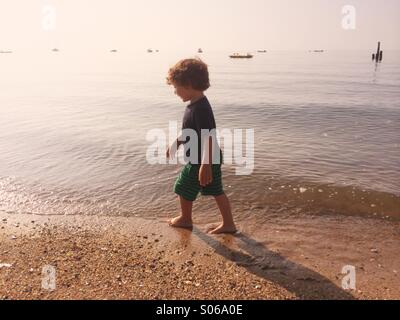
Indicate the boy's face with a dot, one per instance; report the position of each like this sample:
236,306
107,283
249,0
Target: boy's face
185,93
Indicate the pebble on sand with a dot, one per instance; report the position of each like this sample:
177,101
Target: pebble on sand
5,265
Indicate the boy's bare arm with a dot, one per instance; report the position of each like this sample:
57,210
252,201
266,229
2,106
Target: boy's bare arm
174,147
205,172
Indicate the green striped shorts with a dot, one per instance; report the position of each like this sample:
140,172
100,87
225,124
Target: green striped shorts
188,186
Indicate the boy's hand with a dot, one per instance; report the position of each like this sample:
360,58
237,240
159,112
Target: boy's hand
205,175
172,150
167,154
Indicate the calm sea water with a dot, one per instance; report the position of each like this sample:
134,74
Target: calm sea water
73,128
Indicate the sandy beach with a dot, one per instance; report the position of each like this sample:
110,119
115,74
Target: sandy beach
98,257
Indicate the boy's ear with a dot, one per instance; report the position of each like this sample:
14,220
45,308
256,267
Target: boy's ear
191,88
188,86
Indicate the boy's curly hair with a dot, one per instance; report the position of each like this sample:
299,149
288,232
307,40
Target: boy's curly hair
190,72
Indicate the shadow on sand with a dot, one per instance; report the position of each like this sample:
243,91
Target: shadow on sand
257,259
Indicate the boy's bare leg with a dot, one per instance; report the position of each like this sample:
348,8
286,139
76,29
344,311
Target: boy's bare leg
185,219
228,225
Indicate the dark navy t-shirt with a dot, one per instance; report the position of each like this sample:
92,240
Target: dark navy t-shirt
198,116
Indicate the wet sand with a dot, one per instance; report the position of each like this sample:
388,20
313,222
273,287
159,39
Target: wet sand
133,258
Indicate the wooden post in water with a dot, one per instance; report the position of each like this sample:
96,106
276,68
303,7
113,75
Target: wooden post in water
378,51
378,56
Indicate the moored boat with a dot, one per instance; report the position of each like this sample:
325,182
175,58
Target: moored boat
241,56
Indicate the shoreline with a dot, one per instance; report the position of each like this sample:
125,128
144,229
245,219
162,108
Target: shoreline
99,257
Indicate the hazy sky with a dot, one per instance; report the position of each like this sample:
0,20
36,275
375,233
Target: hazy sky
188,24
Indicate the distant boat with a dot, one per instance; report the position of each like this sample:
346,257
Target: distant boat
114,50
55,50
149,50
262,51
156,50
241,56
200,51
317,51
5,51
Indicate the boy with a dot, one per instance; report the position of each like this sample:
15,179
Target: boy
190,79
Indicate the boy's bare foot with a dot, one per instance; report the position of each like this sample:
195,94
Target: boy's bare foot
181,222
227,229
